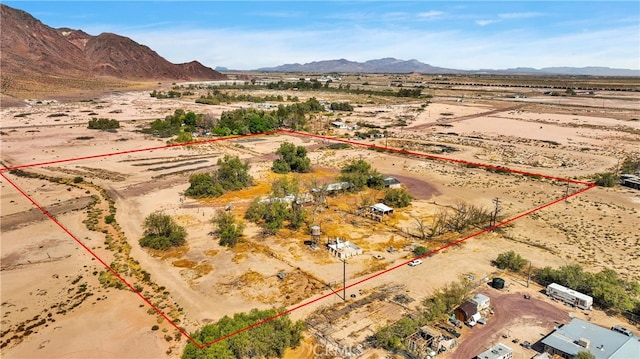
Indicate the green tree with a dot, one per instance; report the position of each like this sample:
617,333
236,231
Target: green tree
607,179
103,124
228,228
162,232
510,260
392,337
285,186
292,158
420,251
397,197
270,339
360,174
584,355
233,174
203,185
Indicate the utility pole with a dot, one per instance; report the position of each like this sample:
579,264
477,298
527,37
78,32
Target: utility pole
529,275
494,215
344,280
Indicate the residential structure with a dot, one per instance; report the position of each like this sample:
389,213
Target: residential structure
481,301
466,311
381,208
498,351
569,296
579,335
391,182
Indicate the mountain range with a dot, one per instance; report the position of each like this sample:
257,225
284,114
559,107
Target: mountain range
392,65
29,48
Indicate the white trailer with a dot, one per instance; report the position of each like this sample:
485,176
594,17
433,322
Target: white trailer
569,296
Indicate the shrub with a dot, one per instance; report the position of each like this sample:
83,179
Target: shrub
510,260
607,179
420,251
161,232
397,197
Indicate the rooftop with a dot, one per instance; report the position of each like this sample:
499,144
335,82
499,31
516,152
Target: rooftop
497,351
601,342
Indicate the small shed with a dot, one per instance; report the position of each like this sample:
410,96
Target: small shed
381,208
391,182
465,311
481,301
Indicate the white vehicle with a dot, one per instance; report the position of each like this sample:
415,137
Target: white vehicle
415,262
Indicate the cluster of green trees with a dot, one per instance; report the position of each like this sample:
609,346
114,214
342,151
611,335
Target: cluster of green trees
291,158
274,213
103,124
232,175
360,174
172,125
301,84
437,307
314,85
228,228
416,92
245,121
162,232
341,106
169,94
217,97
270,339
609,291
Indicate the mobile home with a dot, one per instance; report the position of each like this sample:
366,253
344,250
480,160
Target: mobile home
569,296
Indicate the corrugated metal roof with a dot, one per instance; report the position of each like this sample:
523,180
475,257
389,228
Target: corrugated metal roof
603,342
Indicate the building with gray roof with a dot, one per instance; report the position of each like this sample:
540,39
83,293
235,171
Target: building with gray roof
579,335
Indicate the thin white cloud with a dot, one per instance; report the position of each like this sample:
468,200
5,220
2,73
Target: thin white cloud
486,22
430,14
520,15
279,14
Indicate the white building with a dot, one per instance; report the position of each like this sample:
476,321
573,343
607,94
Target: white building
482,301
569,296
498,351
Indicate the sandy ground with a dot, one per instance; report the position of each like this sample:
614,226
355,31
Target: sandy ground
592,229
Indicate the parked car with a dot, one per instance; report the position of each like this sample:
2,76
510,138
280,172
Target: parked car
622,330
415,262
482,321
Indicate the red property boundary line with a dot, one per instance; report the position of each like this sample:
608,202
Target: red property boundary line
587,186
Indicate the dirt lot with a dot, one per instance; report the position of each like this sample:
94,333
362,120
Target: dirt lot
591,229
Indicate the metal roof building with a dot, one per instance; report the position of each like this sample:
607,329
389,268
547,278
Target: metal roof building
498,351
579,335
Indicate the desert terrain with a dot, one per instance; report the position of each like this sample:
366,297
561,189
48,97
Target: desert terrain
74,285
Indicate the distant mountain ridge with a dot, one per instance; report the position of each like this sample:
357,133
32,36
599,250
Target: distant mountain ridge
32,49
392,65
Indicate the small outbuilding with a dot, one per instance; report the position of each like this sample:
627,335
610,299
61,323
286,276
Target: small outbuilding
391,182
498,351
381,208
340,124
481,301
343,249
465,311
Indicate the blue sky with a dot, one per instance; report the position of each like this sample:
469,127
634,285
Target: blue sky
461,35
